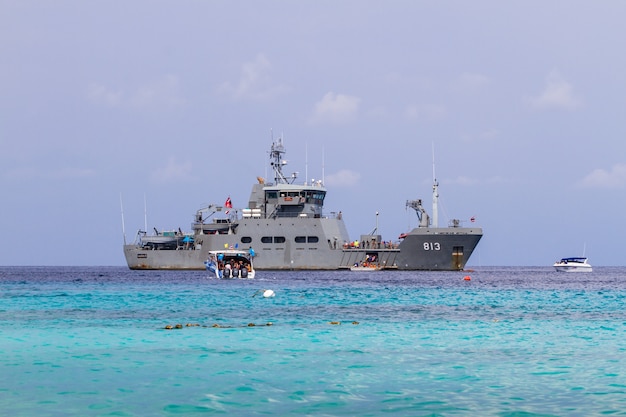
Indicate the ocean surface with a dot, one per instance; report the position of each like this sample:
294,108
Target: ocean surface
508,341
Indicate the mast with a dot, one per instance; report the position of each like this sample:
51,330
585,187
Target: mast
435,194
277,163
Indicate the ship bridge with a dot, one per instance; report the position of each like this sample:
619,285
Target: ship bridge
289,200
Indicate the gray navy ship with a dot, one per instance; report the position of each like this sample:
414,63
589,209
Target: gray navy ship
284,227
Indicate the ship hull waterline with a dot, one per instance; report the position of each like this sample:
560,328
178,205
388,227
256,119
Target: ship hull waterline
428,249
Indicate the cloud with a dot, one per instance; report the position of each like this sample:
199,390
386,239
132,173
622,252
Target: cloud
255,82
163,92
600,178
335,109
557,94
174,171
343,178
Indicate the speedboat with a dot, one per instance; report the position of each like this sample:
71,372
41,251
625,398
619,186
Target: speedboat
577,264
230,263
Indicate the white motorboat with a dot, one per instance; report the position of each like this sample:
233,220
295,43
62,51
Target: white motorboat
576,264
230,263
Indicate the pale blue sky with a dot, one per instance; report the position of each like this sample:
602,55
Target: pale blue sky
174,102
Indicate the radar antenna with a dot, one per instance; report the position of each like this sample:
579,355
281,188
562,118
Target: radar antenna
435,194
277,163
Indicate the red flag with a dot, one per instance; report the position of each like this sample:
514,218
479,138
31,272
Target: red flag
228,204
473,219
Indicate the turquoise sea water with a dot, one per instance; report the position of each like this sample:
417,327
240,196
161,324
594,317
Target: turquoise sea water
509,342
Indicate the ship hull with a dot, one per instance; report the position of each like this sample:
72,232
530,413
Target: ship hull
438,249
317,244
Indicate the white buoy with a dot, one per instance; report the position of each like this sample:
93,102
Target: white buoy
266,293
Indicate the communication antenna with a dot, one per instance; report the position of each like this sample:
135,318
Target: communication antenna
435,194
145,214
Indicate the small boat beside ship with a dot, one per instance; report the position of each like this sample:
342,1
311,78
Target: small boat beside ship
574,264
370,263
230,264
286,224
361,268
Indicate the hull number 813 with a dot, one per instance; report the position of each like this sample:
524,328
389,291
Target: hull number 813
432,246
